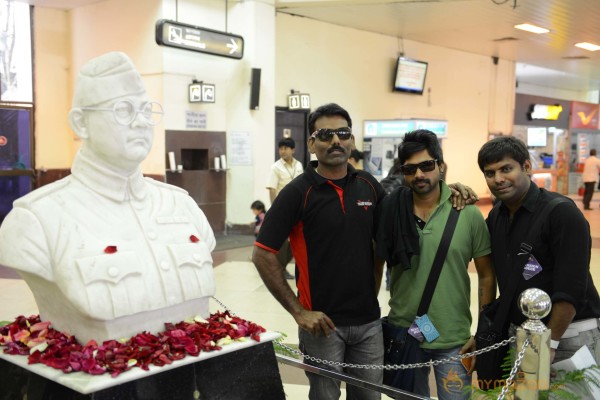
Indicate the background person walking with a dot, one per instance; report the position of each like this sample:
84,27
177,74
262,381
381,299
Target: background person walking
283,171
591,169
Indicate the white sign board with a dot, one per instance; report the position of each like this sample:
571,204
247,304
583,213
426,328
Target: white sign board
195,119
239,148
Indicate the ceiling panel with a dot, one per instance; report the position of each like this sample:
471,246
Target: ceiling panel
476,25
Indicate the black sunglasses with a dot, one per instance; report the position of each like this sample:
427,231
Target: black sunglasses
325,134
411,169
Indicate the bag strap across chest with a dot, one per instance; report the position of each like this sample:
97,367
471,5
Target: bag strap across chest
438,262
520,260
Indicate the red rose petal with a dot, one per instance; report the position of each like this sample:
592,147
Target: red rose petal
194,239
110,249
176,342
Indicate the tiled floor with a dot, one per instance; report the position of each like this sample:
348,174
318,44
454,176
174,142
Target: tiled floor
240,288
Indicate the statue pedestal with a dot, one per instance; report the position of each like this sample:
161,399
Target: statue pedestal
244,370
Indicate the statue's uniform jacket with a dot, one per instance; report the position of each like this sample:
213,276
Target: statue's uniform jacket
112,245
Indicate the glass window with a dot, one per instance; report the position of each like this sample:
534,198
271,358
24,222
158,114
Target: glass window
16,103
15,52
16,169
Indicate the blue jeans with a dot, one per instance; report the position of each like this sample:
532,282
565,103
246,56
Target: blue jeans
362,344
451,378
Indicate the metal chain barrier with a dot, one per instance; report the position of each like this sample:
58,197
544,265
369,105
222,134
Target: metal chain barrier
514,370
370,366
223,305
394,366
503,393
389,367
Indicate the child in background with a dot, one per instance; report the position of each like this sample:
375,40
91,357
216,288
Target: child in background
258,208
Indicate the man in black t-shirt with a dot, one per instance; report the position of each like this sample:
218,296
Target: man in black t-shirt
559,259
329,215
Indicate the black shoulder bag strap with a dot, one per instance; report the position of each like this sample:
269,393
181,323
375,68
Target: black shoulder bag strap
438,262
517,268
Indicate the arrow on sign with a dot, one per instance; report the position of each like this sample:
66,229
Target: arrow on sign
233,46
195,38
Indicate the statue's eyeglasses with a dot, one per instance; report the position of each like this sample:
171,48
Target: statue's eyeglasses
125,113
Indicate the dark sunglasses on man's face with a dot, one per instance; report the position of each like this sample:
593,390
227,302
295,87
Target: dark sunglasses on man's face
325,134
411,169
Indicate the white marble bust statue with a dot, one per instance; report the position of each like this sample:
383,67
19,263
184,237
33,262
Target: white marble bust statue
106,252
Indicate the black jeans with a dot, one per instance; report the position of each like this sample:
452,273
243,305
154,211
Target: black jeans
588,193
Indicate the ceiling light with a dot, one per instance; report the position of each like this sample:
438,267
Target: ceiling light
505,39
575,58
587,46
532,28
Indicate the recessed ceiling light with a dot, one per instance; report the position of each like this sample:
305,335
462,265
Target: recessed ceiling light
505,39
575,58
587,46
532,28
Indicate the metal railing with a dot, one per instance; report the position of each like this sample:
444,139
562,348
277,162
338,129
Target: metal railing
533,347
532,344
383,389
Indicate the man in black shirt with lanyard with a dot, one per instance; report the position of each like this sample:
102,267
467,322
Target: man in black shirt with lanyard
559,253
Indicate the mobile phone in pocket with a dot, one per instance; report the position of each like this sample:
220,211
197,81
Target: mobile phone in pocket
467,363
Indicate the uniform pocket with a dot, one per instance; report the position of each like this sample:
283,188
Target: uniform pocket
111,268
195,269
108,285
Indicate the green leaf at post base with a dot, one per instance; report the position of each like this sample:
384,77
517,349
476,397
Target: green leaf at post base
561,387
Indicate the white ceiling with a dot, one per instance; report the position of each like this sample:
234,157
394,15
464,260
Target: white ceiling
483,27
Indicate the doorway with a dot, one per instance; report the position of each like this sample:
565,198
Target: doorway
292,123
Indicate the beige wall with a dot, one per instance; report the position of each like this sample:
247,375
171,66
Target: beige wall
245,184
66,40
331,63
54,140
127,26
355,68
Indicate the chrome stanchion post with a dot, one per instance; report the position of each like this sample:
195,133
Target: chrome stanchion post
534,372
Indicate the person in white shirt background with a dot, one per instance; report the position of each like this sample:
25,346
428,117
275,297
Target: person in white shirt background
591,169
283,171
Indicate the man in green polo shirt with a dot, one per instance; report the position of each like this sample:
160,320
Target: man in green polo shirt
413,223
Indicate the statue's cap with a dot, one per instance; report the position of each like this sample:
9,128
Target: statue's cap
109,76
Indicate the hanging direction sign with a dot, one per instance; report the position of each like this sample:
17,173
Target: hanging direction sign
195,38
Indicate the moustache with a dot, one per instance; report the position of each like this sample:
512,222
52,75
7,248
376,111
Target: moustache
336,148
416,181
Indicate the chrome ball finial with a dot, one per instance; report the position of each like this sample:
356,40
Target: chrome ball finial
535,304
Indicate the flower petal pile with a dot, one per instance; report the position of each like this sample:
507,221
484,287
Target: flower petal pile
36,339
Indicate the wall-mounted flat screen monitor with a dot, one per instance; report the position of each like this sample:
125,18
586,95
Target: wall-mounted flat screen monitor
410,76
536,137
